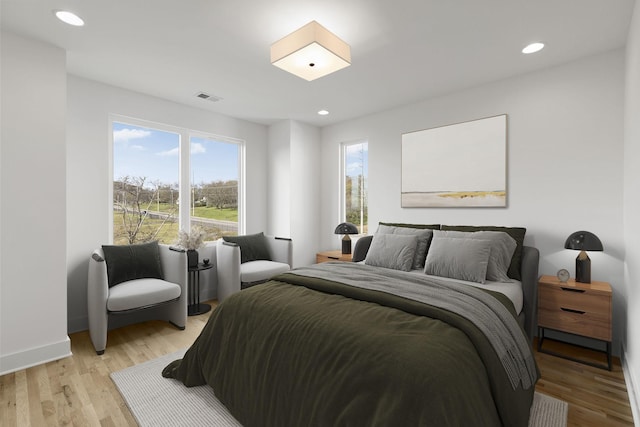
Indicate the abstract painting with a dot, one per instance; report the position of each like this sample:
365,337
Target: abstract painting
458,165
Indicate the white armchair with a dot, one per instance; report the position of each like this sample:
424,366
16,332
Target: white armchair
234,275
165,298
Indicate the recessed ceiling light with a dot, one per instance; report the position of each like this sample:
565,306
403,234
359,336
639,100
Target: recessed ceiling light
69,18
533,48
323,112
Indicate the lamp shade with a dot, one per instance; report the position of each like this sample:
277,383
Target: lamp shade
346,228
583,241
311,52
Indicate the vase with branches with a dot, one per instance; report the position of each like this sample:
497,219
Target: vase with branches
191,241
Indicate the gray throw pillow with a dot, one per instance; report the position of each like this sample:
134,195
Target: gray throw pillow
424,240
502,249
130,262
458,258
392,251
253,247
517,233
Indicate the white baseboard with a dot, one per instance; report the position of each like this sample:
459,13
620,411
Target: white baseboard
631,387
34,356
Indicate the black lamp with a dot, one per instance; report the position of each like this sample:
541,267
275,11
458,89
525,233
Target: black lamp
346,228
583,241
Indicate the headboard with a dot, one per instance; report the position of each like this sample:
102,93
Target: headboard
529,270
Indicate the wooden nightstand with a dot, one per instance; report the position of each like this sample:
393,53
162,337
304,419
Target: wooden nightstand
577,308
332,256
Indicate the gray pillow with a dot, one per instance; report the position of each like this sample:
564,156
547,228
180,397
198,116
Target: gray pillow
517,233
424,240
458,258
253,247
130,262
502,248
392,251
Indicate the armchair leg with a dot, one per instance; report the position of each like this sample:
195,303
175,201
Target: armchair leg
182,328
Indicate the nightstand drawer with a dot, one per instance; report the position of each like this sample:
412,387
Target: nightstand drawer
585,324
327,256
577,311
553,297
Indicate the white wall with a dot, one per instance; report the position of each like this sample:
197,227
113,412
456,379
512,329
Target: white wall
279,184
33,304
631,334
305,190
294,187
565,156
88,171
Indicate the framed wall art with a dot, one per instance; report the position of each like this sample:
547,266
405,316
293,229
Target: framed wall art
458,165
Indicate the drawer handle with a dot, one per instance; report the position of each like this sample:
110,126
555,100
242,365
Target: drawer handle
572,311
573,290
333,257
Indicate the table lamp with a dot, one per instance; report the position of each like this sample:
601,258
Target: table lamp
583,241
346,228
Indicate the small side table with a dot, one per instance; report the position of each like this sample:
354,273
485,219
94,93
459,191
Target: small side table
583,309
327,256
195,307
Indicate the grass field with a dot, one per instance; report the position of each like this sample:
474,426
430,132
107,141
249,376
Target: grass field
213,213
169,230
226,214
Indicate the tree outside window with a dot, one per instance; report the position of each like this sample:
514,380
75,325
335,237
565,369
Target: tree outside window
147,188
355,179
214,196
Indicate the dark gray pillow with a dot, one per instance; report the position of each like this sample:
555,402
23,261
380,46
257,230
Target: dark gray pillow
392,251
424,240
253,247
458,258
130,262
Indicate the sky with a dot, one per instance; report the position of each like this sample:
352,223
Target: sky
357,159
154,154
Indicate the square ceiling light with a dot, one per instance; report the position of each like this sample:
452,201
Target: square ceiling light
311,52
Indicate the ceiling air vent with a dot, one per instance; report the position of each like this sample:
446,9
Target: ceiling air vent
211,98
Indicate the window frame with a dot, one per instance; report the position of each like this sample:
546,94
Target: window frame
184,165
342,182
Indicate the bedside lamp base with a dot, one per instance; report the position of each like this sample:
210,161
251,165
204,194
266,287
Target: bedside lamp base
583,268
346,244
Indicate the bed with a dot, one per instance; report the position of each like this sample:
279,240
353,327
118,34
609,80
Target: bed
342,344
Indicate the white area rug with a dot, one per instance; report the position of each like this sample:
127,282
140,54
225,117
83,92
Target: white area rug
157,401
548,411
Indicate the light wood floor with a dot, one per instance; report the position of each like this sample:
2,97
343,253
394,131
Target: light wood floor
78,390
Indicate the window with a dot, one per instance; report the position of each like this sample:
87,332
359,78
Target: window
214,186
151,172
145,184
355,169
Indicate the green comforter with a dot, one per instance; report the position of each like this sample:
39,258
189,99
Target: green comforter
302,351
